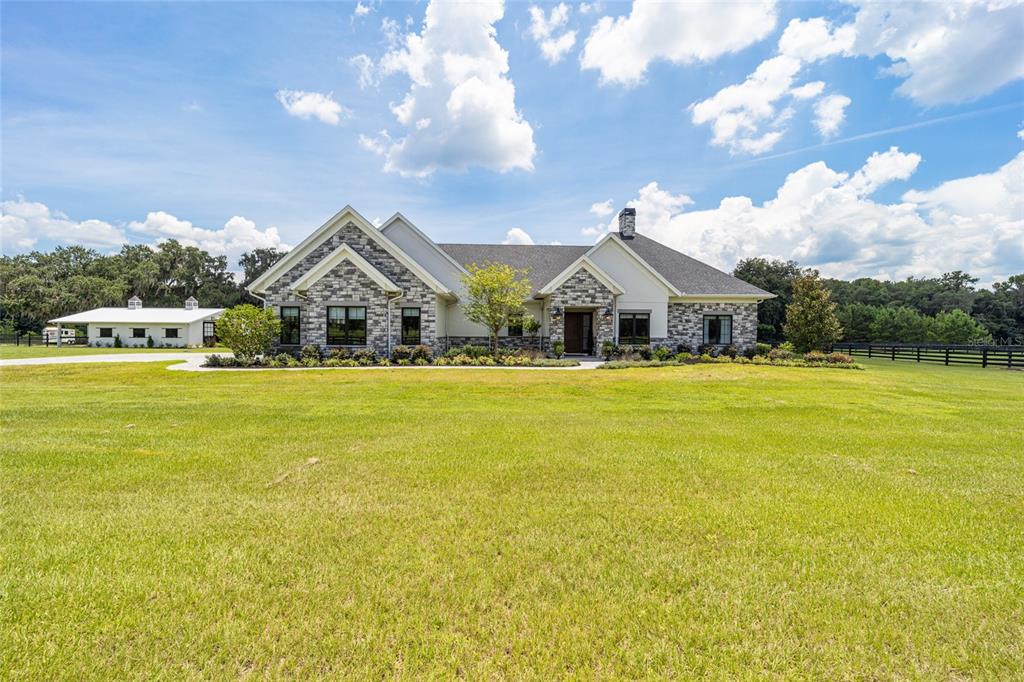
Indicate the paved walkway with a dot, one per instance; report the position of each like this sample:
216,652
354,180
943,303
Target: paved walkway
192,362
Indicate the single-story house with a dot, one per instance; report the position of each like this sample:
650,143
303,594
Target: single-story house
351,284
182,327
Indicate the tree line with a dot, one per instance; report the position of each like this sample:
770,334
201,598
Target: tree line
41,285
946,309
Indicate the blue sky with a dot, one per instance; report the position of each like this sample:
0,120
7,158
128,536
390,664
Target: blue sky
248,124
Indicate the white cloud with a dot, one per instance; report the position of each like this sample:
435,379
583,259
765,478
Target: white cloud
543,29
1020,134
237,236
459,83
362,10
308,105
678,32
946,52
602,208
829,114
23,224
517,236
739,113
827,219
367,71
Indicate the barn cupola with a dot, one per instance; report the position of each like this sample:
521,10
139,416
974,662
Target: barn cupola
134,303
627,223
191,303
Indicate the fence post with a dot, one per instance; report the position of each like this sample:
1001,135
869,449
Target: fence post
1009,359
919,353
892,355
984,357
869,350
947,356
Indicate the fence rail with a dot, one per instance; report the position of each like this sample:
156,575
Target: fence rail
38,340
1011,357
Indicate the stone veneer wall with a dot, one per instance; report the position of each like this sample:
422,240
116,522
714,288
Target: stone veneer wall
686,322
581,290
517,342
339,286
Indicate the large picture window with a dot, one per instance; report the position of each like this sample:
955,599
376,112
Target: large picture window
410,326
289,325
635,328
346,326
718,329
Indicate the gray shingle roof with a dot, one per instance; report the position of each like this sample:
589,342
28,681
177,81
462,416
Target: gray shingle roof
689,275
542,262
545,262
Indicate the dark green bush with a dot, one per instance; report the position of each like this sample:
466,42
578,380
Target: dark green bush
730,351
762,349
310,351
421,352
365,356
401,352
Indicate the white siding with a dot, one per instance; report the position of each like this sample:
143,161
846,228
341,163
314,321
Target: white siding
425,253
190,334
643,291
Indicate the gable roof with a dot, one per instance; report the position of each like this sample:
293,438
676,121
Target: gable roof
543,262
139,316
342,253
398,217
324,232
583,262
690,276
614,239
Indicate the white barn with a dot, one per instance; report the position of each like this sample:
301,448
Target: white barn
188,326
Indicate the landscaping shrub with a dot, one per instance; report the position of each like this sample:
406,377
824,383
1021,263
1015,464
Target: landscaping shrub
661,353
365,356
781,353
149,342
340,354
814,356
683,348
421,352
730,351
558,348
762,349
608,349
310,353
248,331
707,349
839,359
749,352
469,349
400,353
117,341
213,361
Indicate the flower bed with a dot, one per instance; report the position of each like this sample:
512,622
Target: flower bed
812,359
402,356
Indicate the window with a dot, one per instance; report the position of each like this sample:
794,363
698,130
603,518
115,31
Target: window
410,326
106,332
209,331
138,332
346,326
635,328
289,326
170,333
718,329
515,326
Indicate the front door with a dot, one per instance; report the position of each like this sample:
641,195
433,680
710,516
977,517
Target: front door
579,332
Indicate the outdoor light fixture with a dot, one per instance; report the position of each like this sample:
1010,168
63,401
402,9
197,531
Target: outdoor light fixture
556,313
607,312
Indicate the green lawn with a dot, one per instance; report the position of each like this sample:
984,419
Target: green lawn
706,520
11,351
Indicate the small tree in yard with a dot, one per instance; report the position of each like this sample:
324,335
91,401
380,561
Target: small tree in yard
248,331
811,322
494,294
531,325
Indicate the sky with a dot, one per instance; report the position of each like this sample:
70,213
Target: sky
863,139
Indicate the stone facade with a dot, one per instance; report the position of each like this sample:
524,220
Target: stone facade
347,284
582,290
686,322
517,342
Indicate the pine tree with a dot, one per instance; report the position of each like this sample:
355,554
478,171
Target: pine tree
811,322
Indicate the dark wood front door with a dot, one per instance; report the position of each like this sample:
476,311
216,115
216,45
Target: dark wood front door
579,332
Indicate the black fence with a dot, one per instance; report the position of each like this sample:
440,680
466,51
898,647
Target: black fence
38,340
1008,357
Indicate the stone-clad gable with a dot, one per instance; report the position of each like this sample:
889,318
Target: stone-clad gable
347,283
582,289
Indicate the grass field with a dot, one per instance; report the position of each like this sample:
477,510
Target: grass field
11,351
707,520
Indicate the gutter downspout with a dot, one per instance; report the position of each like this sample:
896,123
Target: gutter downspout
390,301
615,315
447,324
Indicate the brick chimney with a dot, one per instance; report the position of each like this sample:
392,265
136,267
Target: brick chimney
627,223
